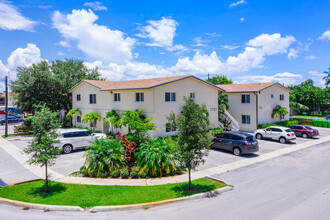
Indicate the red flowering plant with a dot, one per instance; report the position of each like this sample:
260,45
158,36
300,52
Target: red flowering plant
129,150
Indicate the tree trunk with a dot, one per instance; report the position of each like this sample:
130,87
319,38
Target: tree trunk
189,174
46,180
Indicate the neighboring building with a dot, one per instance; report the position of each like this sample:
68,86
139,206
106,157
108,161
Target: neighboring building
253,103
3,99
159,96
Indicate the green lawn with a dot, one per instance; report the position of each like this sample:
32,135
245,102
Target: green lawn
14,135
307,116
92,195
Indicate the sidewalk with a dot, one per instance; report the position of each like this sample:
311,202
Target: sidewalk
39,172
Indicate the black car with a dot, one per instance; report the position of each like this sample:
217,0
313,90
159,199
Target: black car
237,142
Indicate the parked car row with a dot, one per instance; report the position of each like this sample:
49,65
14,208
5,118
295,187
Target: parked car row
11,119
242,143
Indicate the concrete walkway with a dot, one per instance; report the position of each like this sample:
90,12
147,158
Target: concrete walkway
36,170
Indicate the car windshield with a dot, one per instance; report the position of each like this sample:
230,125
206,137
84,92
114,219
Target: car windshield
309,128
288,130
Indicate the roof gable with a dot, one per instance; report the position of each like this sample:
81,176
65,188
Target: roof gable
249,87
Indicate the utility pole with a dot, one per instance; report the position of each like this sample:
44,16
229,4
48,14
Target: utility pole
6,110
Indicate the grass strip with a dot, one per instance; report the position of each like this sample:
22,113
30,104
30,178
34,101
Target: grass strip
94,195
14,135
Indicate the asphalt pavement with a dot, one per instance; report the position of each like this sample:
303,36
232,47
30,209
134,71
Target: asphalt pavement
292,186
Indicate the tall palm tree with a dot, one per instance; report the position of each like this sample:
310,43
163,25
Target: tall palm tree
222,104
72,113
91,117
327,78
279,111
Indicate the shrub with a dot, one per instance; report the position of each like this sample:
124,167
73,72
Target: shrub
83,171
135,173
124,173
283,124
115,174
103,156
104,175
217,131
157,156
143,175
28,123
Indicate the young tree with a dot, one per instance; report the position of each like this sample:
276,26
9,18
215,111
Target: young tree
193,126
41,149
72,113
137,123
48,83
279,111
221,79
91,117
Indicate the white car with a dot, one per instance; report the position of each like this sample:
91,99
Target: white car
281,134
72,139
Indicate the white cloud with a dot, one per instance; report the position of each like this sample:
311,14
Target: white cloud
242,19
96,6
311,57
317,78
237,3
95,40
272,44
11,19
199,42
64,44
293,53
130,70
284,78
325,35
161,33
229,47
19,57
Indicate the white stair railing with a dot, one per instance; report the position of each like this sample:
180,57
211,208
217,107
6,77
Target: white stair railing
234,126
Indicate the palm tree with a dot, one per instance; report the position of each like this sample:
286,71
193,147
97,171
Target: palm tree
112,118
91,117
222,104
72,113
327,78
279,111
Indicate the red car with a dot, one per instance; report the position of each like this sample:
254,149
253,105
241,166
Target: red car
304,131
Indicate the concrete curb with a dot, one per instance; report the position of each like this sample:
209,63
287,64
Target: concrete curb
25,181
44,207
41,206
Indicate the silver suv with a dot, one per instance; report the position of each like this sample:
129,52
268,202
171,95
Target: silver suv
281,134
72,139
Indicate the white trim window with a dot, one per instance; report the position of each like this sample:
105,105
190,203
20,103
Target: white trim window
271,96
78,119
245,99
139,97
170,97
281,117
92,98
116,97
281,97
78,97
193,95
246,119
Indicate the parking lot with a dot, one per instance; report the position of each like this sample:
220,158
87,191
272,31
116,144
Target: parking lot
68,163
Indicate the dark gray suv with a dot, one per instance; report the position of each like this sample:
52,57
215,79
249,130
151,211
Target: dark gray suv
237,142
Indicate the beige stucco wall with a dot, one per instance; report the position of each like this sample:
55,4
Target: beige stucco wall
237,109
267,104
154,102
205,94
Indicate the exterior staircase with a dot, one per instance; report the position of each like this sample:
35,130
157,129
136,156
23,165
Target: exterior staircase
234,126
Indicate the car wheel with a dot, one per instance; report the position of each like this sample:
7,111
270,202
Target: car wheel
304,135
282,140
259,136
237,151
67,149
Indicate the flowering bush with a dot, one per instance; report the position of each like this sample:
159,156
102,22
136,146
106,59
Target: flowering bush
129,147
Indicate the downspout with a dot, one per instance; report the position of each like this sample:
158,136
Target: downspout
257,110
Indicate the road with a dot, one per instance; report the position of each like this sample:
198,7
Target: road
292,186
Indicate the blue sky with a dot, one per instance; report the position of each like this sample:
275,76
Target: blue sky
249,41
